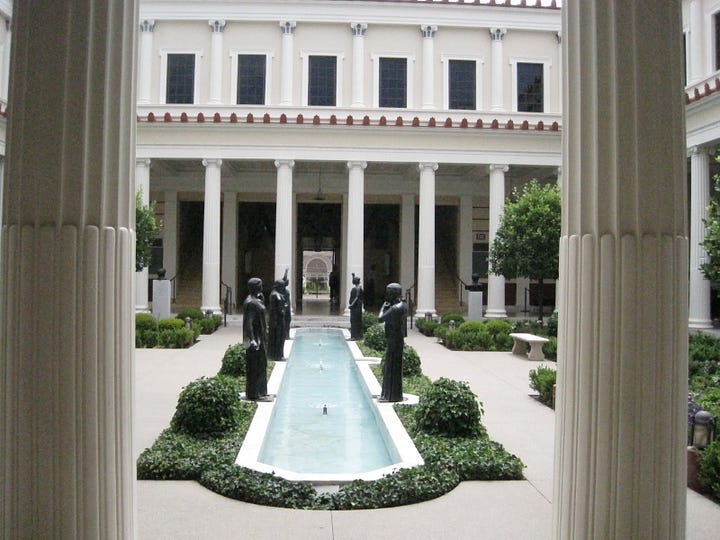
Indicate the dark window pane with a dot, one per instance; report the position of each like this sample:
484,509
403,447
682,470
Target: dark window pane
716,20
251,79
530,87
322,81
462,84
393,82
180,78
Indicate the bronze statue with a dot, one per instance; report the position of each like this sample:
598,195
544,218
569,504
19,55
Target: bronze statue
393,313
276,321
355,305
255,340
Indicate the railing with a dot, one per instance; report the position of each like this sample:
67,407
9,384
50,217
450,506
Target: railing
461,287
410,303
227,300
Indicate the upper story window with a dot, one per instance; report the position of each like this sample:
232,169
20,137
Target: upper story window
716,27
530,87
393,77
180,81
462,84
322,81
251,79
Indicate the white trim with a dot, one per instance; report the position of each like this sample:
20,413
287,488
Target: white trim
340,58
163,53
375,59
234,53
547,64
479,67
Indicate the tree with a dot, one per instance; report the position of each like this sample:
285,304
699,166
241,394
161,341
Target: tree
711,244
146,230
527,243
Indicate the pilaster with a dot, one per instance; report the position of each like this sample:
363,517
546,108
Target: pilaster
286,61
217,27
700,293
496,51
428,62
696,44
284,218
426,245
496,283
211,237
144,72
358,65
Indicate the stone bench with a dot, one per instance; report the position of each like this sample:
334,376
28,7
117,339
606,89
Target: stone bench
536,345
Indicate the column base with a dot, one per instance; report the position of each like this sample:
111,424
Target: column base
216,310
142,309
700,324
420,313
495,314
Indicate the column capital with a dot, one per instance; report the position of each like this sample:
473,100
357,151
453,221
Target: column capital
428,30
497,34
147,25
142,162
356,164
285,163
427,166
497,167
700,149
217,25
358,29
212,162
288,27
558,37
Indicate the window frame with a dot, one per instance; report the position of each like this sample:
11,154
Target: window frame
445,59
410,59
339,60
163,74
547,64
234,64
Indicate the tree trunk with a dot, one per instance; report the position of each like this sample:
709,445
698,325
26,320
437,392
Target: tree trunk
540,300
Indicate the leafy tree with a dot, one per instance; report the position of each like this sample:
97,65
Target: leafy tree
527,243
711,244
146,230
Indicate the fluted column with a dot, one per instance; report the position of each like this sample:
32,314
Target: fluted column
284,218
66,280
407,240
696,44
217,27
496,52
287,61
228,273
426,244
169,232
144,72
621,409
358,65
211,237
465,240
428,63
699,308
496,283
142,186
355,220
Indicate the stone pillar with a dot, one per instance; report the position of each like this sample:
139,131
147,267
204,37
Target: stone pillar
342,263
696,67
358,65
216,60
559,71
407,241
169,232
621,409
228,272
428,63
699,310
211,237
144,72
465,241
66,280
286,62
142,186
355,221
496,283
284,218
426,244
496,52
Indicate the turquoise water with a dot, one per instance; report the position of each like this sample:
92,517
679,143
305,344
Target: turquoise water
321,375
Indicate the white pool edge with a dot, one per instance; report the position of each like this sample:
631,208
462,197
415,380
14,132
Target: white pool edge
408,454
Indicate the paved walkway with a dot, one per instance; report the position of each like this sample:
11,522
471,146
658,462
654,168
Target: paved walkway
474,510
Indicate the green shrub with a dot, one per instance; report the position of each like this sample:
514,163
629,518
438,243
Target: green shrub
411,362
449,408
368,319
709,469
170,324
469,336
173,456
207,325
709,400
550,348
500,333
178,338
194,313
145,321
233,362
704,355
426,327
375,337
529,327
146,338
551,325
207,407
542,381
459,319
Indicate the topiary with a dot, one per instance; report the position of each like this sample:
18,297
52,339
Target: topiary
459,319
449,408
207,325
500,335
709,468
208,407
145,321
170,324
176,338
375,337
410,362
194,313
233,362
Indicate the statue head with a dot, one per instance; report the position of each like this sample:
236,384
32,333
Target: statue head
278,285
393,292
255,286
356,280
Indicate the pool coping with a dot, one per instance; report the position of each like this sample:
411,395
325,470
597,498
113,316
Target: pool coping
250,449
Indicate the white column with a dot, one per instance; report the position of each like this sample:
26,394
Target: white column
211,237
286,62
496,52
356,220
358,65
284,218
465,241
142,186
66,281
344,285
407,241
428,63
144,72
699,310
696,45
169,228
216,60
229,244
426,243
621,410
496,283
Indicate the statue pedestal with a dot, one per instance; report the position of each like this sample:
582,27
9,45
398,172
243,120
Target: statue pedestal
161,299
475,306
